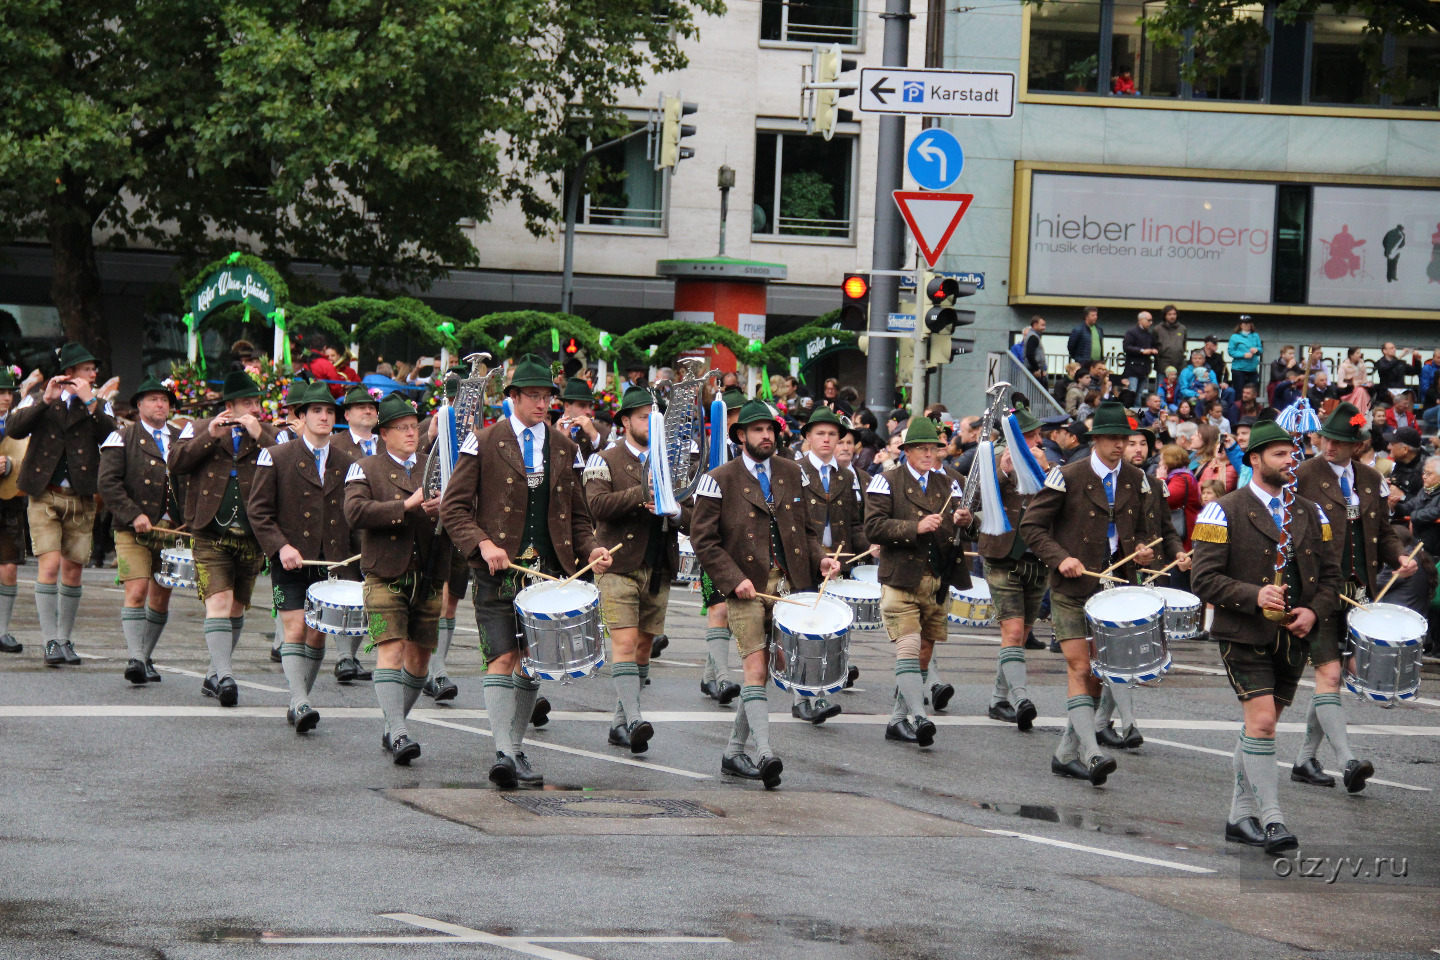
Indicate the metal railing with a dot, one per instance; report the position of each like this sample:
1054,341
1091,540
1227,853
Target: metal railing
1042,403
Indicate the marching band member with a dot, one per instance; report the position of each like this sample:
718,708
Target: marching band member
494,524
1090,513
66,426
438,685
12,514
360,412
385,502
714,680
830,490
297,512
635,591
1344,487
578,422
135,484
751,528
218,456
1263,627
907,513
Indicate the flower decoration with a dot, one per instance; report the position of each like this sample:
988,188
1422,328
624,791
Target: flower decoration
1134,424
376,394
1358,420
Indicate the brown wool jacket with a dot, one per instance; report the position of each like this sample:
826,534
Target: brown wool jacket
1315,480
894,506
289,503
206,461
133,476
616,492
74,431
376,489
839,507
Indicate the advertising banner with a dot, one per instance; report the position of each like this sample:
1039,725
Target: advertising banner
1150,238
1375,247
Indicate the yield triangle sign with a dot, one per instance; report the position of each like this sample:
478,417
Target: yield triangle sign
932,218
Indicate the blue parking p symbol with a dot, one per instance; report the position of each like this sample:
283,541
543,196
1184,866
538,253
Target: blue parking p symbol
914,92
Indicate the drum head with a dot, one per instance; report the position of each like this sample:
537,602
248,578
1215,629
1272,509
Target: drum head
176,553
853,590
831,616
979,590
1123,605
554,600
1389,624
1176,598
338,593
866,571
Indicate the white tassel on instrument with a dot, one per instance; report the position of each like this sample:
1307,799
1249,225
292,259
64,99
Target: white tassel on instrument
449,445
1029,478
660,486
993,521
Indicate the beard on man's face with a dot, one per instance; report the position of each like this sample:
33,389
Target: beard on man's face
761,450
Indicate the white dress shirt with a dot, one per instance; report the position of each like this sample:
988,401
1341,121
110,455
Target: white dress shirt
1102,471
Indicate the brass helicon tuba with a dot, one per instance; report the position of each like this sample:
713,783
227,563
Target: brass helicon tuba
685,426
468,408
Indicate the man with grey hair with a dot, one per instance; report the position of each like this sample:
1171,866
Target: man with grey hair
1139,349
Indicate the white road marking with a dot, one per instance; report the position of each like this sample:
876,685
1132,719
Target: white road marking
1049,842
674,663
92,586
238,681
570,750
1214,672
1227,754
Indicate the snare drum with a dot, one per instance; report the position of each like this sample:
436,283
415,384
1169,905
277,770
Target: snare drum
868,572
177,568
1127,625
689,570
337,607
561,632
1184,614
1387,640
863,598
809,645
973,607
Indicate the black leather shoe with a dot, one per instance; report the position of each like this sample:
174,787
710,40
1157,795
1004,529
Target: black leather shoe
901,730
1132,740
9,644
727,690
1070,768
1356,773
209,687
347,670
851,675
1310,771
290,719
151,674
1002,711
53,656
770,769
364,675
403,750
639,735
306,717
803,710
1031,643
1248,831
1100,769
710,688
822,710
924,731
1278,839
525,773
502,774
1107,737
275,655
440,688
940,694
541,714
135,672
658,643
740,766
1055,646
1025,714
228,692
71,657
619,737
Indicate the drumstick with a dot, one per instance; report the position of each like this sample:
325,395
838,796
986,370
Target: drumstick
771,596
1105,576
586,569
1161,572
1120,563
1353,603
178,533
329,563
533,573
1395,576
826,579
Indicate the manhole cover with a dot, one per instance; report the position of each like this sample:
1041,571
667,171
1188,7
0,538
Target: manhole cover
627,808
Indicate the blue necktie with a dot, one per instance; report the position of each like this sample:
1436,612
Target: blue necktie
234,445
825,477
764,479
529,446
160,441
1109,484
369,446
1345,488
320,464
1277,514
923,478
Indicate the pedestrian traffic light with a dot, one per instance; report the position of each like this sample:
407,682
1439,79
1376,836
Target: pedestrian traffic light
571,347
672,131
826,65
855,302
942,318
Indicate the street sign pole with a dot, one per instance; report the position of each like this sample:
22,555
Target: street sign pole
888,250
922,305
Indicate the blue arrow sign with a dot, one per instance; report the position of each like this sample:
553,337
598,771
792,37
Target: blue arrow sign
935,159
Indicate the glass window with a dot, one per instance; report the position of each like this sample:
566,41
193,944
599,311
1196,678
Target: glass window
1337,72
1292,220
810,21
1417,71
626,190
1243,78
803,185
1138,67
1065,46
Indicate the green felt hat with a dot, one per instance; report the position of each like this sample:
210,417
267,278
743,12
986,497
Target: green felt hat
754,411
72,355
824,415
920,430
148,385
7,379
1347,424
734,399
238,385
356,395
634,398
577,390
308,394
394,407
1112,420
530,371
1264,433
1026,419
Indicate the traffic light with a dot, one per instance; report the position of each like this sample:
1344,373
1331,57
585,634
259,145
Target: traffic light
826,65
571,347
942,318
855,302
672,131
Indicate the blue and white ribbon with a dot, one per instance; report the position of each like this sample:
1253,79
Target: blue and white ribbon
660,487
1029,478
719,449
993,520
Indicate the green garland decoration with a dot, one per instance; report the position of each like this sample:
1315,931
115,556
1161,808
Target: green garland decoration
373,318
786,345
674,337
532,331
267,273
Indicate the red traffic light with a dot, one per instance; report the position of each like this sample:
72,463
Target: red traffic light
855,287
572,346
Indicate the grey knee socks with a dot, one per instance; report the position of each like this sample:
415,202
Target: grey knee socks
1258,758
413,686
526,693
314,657
627,689
1330,717
1081,711
717,653
1242,798
295,661
1105,709
739,733
218,642
7,606
1012,669
500,705
1069,746
155,621
132,624
69,604
909,679
390,691
46,602
756,705
445,633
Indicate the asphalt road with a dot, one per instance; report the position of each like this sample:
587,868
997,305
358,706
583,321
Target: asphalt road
149,822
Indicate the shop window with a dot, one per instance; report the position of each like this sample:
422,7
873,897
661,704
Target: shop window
1338,74
1138,66
1065,46
804,186
1242,77
1416,71
625,191
810,21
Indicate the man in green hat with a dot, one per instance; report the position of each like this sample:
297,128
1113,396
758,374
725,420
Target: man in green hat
12,513
714,679
1344,487
1265,560
912,512
1089,515
361,412
515,499
218,457
297,512
66,426
635,591
578,422
752,532
135,483
385,503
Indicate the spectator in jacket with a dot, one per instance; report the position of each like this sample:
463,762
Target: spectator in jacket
1279,367
319,366
1408,474
1169,335
1034,351
1322,389
1247,406
1087,340
1153,413
1234,446
1353,381
1215,416
1402,414
1206,460
1215,360
1193,377
1289,390
1139,349
1075,393
1413,592
1181,489
1391,371
1423,509
1244,349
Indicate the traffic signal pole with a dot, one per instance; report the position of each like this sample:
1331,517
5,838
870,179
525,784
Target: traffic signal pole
888,251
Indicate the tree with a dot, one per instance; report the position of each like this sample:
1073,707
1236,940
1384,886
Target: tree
354,134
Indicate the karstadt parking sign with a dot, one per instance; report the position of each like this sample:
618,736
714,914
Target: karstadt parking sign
937,93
